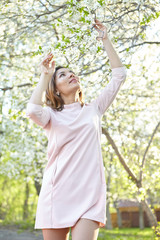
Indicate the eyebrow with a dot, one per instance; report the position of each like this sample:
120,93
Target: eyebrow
64,72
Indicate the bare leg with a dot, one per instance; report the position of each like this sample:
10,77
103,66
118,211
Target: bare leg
85,229
56,234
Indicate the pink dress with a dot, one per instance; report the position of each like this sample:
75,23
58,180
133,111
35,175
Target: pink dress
74,183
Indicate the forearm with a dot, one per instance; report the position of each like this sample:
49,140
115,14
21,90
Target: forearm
42,85
114,59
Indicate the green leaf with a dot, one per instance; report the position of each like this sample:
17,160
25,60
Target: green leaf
101,2
86,13
99,49
59,20
63,37
128,66
58,45
82,19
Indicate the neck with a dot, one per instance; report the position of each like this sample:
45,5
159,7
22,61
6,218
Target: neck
70,102
69,99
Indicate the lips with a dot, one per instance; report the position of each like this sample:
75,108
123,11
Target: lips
73,80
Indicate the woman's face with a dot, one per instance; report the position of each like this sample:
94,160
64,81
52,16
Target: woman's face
67,82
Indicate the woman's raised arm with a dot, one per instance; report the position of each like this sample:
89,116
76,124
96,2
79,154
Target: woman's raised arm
46,75
108,94
114,59
35,110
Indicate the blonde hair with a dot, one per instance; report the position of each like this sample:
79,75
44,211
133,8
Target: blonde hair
52,99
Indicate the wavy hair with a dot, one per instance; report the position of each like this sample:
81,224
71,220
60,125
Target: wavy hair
52,99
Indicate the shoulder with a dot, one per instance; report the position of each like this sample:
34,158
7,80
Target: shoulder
91,107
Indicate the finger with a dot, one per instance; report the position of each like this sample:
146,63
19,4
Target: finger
99,30
49,53
53,64
97,26
44,61
98,38
94,25
48,56
47,60
98,23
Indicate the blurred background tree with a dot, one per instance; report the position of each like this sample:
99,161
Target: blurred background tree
29,30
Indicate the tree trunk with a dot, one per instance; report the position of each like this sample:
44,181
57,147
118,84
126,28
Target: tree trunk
109,222
119,218
37,181
37,186
151,216
141,219
25,206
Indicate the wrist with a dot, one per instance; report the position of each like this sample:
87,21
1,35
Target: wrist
46,76
105,40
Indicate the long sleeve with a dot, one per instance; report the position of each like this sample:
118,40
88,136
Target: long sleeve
40,115
108,94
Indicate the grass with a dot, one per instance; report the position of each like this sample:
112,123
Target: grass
126,234
104,234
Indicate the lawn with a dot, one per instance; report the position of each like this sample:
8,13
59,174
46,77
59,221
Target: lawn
126,234
115,234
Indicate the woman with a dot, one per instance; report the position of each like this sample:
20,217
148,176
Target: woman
73,192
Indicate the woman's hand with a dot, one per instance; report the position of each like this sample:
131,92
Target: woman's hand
46,66
101,29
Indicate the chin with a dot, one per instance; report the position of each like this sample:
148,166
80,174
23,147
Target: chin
76,86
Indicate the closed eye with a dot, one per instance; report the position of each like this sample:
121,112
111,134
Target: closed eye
62,74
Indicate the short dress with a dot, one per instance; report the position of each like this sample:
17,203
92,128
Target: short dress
74,185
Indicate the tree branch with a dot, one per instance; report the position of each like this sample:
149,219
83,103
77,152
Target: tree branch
121,159
139,44
20,85
147,148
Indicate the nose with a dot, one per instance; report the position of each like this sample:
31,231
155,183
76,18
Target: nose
71,74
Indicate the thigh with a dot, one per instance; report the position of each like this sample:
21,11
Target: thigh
56,234
85,229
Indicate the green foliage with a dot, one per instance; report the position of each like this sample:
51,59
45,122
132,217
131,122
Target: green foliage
101,2
31,29
157,231
20,224
99,49
64,39
12,197
128,66
126,234
148,18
